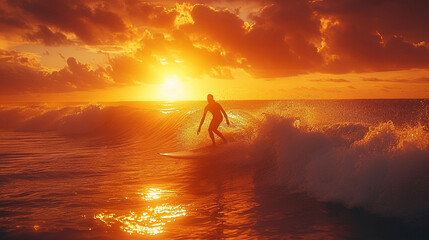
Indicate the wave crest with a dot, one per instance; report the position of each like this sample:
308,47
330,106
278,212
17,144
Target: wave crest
383,170
88,120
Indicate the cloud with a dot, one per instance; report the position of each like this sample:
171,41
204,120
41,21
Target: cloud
18,73
145,14
97,22
21,74
8,22
78,76
93,25
273,46
282,38
126,70
338,80
375,35
12,27
424,80
47,37
182,54
294,37
389,17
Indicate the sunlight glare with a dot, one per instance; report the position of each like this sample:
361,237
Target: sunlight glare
150,220
172,82
172,89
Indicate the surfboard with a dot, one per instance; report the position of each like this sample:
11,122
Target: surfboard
198,153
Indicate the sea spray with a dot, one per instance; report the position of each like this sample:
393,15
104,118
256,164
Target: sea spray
384,172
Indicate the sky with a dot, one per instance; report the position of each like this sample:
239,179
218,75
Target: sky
131,50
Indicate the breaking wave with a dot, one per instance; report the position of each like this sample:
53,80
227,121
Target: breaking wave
383,169
380,167
93,120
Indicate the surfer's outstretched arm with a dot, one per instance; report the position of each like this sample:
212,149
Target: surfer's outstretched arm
202,120
226,116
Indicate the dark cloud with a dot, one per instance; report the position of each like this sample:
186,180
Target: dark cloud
19,73
8,22
359,50
12,27
79,76
376,35
92,25
95,22
389,17
48,37
293,18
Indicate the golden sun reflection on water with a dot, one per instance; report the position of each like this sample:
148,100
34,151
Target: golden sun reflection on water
151,220
152,194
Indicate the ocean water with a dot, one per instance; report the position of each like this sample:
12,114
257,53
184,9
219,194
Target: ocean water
309,169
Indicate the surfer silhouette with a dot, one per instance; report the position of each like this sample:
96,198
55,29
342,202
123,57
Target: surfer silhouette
217,112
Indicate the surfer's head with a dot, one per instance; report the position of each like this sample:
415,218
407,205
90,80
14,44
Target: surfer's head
210,98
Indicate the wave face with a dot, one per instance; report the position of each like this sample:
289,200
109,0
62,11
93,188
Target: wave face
368,154
383,169
113,123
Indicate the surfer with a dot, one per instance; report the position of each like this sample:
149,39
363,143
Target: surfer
217,111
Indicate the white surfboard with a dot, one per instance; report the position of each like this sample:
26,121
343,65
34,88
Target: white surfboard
199,153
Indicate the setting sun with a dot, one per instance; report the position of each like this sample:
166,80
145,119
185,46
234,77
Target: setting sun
172,89
171,82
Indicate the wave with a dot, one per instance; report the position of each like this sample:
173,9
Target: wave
381,167
91,120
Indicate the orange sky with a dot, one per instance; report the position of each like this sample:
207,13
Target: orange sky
75,50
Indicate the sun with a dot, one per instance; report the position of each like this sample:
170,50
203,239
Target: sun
172,89
171,82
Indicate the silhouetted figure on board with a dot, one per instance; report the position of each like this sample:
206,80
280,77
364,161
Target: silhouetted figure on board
217,111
